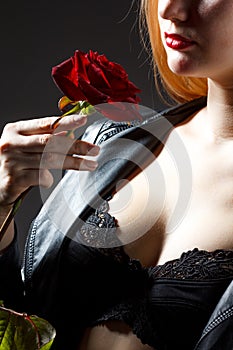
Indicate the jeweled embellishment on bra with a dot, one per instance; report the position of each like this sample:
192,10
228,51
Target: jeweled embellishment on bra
99,230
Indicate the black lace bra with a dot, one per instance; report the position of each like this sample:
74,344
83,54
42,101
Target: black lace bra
171,303
99,231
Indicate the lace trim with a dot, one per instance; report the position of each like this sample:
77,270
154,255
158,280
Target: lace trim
197,265
100,231
134,314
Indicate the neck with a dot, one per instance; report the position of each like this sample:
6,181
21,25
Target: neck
219,111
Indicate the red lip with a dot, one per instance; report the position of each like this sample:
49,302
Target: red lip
177,42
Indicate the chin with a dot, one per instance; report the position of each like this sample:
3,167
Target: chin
185,72
183,67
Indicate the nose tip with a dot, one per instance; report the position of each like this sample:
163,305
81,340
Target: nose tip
174,10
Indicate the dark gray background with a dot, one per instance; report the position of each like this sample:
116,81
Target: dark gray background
36,35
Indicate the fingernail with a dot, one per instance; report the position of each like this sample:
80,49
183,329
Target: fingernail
91,164
93,150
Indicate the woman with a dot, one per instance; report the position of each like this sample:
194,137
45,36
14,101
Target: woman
159,289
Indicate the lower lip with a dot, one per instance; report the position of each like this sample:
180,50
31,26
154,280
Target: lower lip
177,44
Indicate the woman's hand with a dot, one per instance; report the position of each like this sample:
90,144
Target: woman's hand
30,148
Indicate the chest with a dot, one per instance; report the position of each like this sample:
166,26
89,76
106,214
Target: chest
184,199
199,201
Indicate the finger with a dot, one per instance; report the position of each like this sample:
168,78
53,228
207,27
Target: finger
45,125
84,148
64,145
48,160
59,161
50,143
69,122
34,177
22,143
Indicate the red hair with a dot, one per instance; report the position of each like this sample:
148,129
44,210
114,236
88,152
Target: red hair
180,88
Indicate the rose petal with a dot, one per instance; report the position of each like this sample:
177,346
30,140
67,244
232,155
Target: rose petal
93,95
119,111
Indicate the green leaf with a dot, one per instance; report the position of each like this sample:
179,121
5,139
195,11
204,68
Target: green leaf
47,346
22,332
87,110
45,329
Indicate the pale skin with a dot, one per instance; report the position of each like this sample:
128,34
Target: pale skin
207,220
29,149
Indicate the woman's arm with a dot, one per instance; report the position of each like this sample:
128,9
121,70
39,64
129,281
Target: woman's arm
29,149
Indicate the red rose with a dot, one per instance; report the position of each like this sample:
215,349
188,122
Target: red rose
92,77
